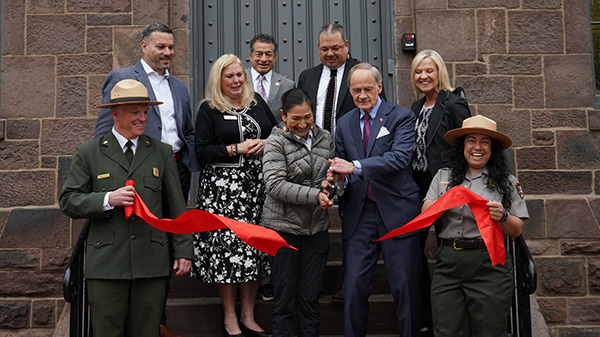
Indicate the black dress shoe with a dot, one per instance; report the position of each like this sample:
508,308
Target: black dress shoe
251,333
226,334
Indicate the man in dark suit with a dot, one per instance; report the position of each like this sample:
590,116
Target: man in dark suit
373,145
170,123
127,260
269,84
331,73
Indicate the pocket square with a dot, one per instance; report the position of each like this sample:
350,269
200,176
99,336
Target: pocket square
382,132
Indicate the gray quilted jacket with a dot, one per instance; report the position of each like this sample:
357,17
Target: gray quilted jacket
293,176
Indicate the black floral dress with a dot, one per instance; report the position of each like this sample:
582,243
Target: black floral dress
236,192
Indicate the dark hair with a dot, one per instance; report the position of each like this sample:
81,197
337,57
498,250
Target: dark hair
155,27
294,97
333,28
497,166
264,38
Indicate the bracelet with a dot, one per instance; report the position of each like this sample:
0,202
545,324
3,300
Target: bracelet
231,150
236,149
504,216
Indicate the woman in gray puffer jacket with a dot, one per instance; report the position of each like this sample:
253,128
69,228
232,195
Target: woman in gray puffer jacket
295,164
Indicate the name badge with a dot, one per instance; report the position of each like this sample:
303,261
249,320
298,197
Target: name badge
103,176
229,117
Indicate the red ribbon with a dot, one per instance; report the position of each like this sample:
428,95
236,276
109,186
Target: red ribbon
457,196
195,220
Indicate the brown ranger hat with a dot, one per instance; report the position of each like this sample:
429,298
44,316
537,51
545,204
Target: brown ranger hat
481,125
128,92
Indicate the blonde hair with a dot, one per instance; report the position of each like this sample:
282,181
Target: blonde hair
214,92
443,78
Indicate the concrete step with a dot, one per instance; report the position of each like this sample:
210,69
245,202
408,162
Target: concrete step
194,317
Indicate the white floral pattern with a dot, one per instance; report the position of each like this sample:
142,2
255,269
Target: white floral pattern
237,193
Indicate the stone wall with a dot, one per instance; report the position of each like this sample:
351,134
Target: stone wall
525,63
55,56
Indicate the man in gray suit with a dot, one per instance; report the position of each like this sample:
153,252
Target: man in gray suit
170,123
269,84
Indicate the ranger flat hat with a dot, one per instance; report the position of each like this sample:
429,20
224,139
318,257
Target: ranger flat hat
481,125
129,92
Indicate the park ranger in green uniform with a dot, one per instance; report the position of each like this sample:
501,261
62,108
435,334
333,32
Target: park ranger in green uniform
127,261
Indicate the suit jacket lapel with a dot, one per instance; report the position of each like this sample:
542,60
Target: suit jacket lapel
377,124
435,119
356,132
312,92
274,88
110,147
343,87
176,105
142,152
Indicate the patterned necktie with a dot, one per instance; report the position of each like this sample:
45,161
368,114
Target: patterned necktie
366,135
261,87
328,109
129,151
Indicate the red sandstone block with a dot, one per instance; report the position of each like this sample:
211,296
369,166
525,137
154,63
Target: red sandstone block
560,276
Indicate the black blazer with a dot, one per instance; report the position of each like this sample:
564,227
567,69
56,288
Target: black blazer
215,129
448,113
309,82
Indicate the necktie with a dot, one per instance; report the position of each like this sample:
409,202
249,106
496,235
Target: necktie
366,134
129,151
329,109
366,131
261,87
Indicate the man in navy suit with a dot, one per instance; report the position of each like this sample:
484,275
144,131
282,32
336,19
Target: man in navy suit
373,145
170,123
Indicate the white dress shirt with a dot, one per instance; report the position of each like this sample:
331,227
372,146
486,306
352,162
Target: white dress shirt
322,92
162,91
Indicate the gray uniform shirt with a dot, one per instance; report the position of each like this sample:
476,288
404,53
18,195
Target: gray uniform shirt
459,222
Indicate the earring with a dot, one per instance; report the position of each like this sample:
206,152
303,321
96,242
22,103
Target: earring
284,127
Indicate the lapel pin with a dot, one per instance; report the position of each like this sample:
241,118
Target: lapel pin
105,142
155,172
277,84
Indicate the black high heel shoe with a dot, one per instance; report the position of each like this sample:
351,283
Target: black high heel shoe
251,333
226,334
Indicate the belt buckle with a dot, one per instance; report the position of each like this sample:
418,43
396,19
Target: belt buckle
454,244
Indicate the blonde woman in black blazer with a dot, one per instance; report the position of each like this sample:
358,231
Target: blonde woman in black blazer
437,112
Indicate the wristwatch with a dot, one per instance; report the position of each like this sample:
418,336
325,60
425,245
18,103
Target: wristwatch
504,216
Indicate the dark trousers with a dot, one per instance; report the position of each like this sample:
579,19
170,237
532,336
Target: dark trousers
129,308
423,180
466,287
402,268
297,281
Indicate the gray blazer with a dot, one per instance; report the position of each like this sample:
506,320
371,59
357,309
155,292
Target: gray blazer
181,100
279,85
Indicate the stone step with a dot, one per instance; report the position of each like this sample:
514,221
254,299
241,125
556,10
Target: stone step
194,317
187,287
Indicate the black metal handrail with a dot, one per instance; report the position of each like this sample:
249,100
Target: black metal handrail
74,289
525,276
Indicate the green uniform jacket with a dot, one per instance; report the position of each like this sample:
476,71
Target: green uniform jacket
118,248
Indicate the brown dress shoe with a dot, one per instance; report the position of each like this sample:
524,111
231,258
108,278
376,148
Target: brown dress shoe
165,332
